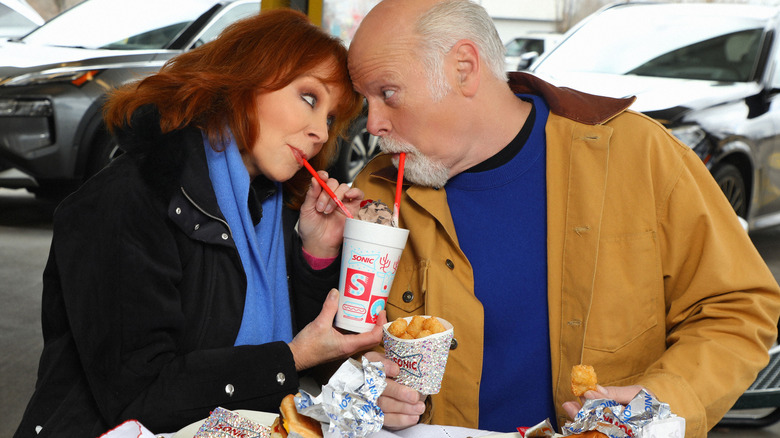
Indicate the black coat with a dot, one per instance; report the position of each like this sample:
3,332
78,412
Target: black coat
143,297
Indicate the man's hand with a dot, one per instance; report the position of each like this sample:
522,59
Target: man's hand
402,405
621,394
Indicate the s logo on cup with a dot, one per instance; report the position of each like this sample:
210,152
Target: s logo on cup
358,284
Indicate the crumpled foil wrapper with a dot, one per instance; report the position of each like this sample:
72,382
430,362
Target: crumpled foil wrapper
348,401
223,423
618,421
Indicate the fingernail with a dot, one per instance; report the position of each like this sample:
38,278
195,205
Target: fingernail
333,295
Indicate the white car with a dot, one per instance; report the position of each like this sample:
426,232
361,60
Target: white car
17,18
523,50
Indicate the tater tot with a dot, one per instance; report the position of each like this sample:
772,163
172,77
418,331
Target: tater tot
429,322
583,379
415,326
434,325
398,327
423,333
418,328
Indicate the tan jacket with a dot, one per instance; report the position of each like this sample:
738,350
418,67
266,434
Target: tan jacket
651,278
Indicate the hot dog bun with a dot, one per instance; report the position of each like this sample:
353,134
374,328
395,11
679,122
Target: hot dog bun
290,421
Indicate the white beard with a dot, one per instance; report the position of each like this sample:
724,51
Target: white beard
418,168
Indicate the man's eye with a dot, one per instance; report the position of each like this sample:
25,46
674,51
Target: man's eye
310,99
387,94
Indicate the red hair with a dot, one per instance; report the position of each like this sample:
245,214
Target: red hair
214,86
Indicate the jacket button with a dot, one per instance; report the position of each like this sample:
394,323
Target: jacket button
450,264
178,210
224,236
197,226
229,389
408,296
280,378
453,344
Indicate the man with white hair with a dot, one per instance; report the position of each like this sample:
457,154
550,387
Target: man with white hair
551,228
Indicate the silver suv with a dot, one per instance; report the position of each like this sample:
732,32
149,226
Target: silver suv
708,72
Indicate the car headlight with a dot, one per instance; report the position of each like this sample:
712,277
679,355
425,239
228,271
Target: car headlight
695,138
75,77
25,108
692,135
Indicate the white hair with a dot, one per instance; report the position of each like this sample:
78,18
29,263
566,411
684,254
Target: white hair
419,168
445,24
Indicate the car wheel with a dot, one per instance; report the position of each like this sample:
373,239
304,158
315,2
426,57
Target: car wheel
103,151
359,148
730,180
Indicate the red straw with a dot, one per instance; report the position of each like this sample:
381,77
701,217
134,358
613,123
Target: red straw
324,186
399,182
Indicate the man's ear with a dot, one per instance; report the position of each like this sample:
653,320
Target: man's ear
467,60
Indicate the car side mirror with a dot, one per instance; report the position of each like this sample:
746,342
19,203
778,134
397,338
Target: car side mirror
526,59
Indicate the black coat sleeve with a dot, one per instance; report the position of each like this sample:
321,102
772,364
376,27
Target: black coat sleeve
143,357
308,287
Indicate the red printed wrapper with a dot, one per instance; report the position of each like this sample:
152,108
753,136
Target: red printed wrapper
423,360
223,423
543,429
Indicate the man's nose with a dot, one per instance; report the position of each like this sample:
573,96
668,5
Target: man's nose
378,123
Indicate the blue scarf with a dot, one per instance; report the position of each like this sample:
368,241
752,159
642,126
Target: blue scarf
261,248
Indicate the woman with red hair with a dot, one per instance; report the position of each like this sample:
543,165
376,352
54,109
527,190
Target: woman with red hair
177,279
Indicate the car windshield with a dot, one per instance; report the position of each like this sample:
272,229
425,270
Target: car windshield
626,41
518,46
121,25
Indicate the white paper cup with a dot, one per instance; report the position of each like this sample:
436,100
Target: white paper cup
369,260
422,361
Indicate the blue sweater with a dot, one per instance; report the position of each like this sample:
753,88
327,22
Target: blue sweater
500,217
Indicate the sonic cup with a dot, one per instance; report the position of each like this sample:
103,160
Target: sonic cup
369,260
422,361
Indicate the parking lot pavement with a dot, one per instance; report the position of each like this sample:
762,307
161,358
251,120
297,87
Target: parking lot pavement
25,235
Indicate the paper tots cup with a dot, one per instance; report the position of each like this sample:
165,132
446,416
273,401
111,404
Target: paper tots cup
422,360
369,261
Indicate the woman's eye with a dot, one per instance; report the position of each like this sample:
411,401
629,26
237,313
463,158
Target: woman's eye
331,119
310,99
387,94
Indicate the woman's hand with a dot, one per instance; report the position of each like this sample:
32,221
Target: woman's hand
401,404
621,394
321,224
320,342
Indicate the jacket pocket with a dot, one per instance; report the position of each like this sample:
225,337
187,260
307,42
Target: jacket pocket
409,287
627,292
